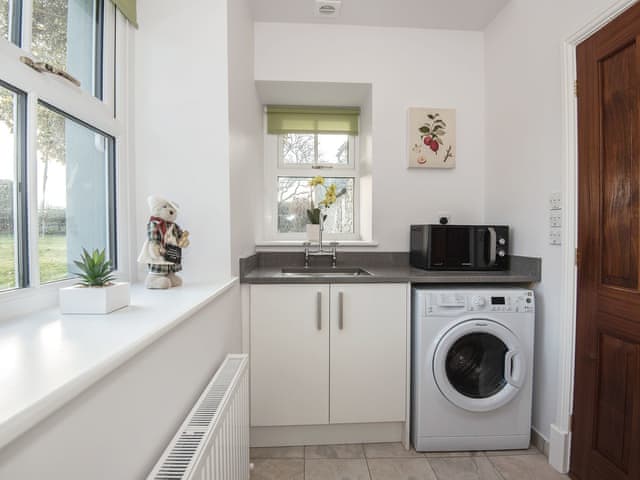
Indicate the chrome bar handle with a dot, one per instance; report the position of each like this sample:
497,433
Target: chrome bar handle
492,246
319,310
341,310
334,254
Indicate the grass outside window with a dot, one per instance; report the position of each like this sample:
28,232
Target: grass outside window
53,259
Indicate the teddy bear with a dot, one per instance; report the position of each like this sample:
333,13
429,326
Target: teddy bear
162,251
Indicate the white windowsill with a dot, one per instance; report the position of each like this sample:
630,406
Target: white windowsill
47,359
299,243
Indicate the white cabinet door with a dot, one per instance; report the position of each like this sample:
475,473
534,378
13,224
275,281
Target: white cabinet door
289,355
368,353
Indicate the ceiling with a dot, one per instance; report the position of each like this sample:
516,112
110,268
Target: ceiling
446,14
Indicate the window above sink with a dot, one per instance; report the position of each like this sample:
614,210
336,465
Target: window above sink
316,129
308,142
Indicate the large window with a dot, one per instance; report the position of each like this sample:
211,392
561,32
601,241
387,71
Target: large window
57,138
314,147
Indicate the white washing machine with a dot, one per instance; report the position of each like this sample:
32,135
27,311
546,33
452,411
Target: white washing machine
472,368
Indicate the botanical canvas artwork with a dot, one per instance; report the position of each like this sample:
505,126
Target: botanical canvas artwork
432,138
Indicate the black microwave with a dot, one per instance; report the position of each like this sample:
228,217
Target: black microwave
460,247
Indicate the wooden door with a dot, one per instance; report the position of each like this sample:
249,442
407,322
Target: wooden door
368,353
606,422
289,355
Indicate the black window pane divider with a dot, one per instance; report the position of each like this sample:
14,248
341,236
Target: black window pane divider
112,215
98,86
23,193
22,215
15,22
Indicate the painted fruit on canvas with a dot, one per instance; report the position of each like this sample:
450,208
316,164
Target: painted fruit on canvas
432,138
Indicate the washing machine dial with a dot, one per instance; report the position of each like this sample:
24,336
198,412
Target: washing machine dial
478,301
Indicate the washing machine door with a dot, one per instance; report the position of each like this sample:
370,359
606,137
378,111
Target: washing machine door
479,365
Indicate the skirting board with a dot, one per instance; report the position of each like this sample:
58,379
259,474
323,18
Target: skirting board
540,442
560,449
327,434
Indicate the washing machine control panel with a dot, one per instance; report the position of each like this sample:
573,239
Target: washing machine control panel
446,303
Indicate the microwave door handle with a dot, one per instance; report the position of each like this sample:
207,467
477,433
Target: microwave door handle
492,246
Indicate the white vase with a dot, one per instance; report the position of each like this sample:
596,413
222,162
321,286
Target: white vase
94,300
313,232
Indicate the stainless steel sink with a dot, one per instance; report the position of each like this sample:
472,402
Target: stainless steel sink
324,272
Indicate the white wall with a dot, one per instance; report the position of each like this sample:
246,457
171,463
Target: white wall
245,128
118,428
406,67
181,120
524,156
181,128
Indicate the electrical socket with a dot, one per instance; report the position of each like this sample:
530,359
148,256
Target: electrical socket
555,236
446,215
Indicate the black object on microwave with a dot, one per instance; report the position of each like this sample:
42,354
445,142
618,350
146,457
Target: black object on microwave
460,247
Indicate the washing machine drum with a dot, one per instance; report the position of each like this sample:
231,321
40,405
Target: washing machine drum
479,365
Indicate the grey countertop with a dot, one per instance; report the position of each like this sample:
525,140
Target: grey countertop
265,267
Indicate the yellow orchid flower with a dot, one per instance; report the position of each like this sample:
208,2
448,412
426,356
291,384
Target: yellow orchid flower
330,192
316,181
329,198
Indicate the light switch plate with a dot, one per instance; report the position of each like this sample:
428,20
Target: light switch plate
555,219
555,201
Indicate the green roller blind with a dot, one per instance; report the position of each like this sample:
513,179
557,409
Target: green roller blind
286,119
128,9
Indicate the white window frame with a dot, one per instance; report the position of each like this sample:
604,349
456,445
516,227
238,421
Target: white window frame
351,164
275,167
109,115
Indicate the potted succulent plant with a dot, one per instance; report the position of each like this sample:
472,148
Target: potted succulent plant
97,292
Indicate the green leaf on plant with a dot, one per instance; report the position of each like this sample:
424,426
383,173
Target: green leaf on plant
96,270
313,214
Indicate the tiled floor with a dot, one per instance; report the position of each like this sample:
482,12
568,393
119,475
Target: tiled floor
390,461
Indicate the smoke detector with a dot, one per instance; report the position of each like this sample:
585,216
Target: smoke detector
328,8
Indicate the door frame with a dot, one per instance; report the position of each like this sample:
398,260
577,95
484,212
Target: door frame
560,437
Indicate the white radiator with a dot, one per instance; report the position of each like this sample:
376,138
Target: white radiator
213,441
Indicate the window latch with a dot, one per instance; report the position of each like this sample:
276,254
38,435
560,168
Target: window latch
44,67
320,167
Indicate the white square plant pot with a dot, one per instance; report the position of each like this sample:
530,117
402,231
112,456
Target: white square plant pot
313,232
94,300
